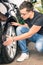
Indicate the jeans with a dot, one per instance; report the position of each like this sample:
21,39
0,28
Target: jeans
37,38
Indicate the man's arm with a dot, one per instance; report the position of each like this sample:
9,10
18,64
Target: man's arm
18,24
34,29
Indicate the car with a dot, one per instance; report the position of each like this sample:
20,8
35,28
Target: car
7,53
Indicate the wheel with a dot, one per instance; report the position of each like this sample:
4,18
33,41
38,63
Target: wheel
9,52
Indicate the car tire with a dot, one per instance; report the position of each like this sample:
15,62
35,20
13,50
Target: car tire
9,52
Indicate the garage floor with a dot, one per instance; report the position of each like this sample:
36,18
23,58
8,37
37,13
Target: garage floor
35,57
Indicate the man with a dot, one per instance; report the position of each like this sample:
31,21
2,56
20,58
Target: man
33,30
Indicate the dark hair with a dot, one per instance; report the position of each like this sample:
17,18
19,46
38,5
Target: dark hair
26,4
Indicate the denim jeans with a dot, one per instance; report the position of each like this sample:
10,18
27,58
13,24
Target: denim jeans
37,38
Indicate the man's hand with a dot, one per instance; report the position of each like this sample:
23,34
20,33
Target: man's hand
8,41
15,24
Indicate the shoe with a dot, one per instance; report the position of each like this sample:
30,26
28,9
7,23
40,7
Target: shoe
23,57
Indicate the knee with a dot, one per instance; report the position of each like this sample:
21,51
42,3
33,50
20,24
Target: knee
39,47
18,30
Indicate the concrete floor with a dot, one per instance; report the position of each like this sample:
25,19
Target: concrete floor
34,59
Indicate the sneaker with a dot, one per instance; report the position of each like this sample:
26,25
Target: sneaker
23,57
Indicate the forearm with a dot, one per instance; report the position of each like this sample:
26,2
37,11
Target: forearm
18,24
25,25
29,34
23,36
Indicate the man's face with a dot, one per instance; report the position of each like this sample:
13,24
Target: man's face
25,14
